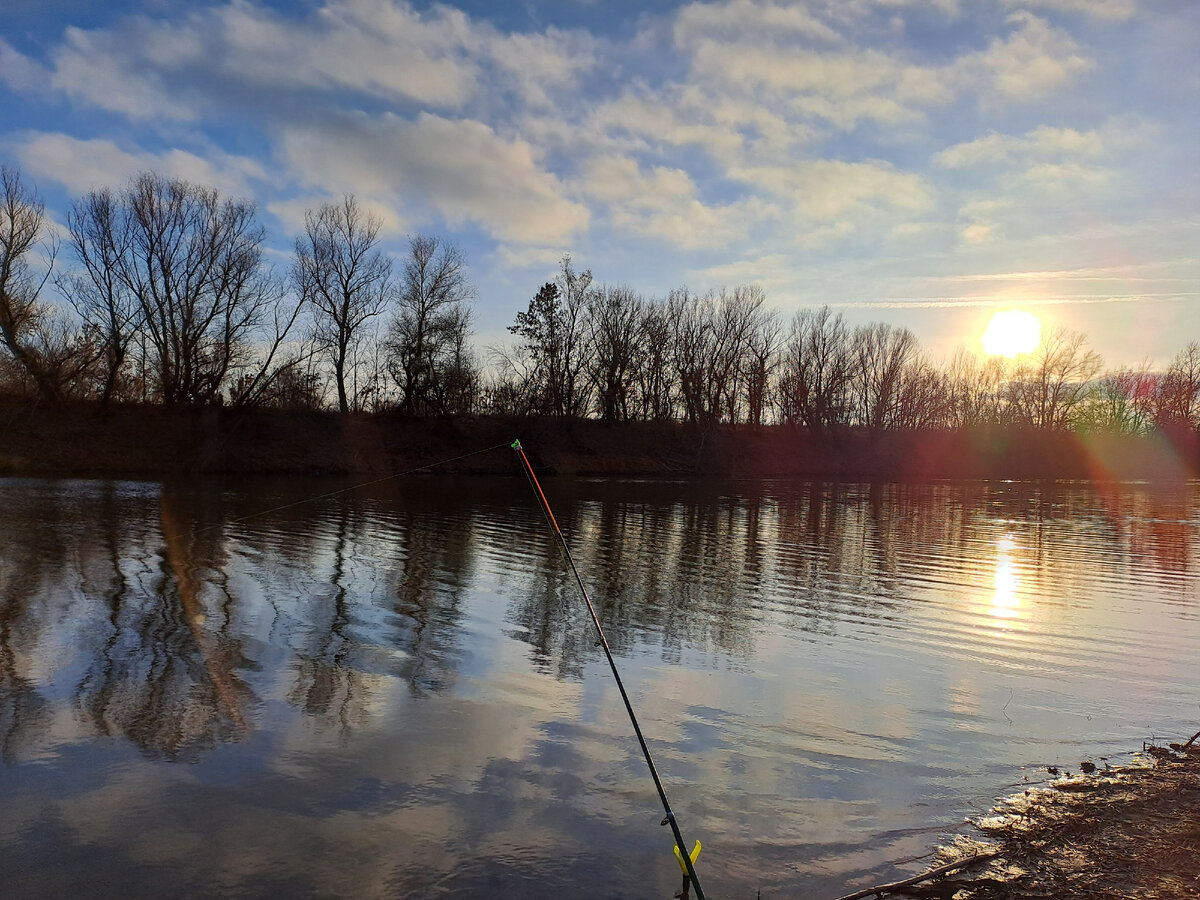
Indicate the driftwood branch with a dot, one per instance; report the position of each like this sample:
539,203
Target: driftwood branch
1191,740
881,889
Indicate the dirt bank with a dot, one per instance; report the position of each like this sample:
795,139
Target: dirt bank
1128,833
152,441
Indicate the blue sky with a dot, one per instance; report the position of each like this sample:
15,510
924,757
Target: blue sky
919,162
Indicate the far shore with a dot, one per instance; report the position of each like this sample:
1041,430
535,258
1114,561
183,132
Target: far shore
146,441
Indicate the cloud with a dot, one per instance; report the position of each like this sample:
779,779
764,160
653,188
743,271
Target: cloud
772,272
374,46
843,88
291,212
81,165
735,55
662,203
978,233
20,72
745,20
1031,62
1041,169
666,122
527,257
97,69
1112,10
825,190
1042,143
538,65
1069,176
462,169
438,58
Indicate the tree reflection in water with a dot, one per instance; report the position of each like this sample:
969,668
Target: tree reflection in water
166,676
404,666
159,603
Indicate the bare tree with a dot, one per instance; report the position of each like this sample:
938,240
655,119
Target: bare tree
922,398
615,314
553,332
428,356
459,386
692,349
574,288
1121,402
49,353
194,262
341,271
275,357
1177,393
761,363
881,354
816,369
975,389
1047,387
737,316
515,387
101,235
654,383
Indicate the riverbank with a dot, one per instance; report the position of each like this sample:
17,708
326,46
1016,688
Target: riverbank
1126,833
133,441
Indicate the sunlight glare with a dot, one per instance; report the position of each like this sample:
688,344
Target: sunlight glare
1011,332
1004,601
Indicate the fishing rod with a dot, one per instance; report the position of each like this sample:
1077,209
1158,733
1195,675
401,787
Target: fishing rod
686,859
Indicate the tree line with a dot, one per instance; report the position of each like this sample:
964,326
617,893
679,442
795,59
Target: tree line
170,299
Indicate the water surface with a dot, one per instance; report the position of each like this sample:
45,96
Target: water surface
395,692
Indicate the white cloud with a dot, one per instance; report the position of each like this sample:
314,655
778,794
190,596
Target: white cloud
539,64
81,165
826,190
1042,143
460,168
1068,176
977,233
526,257
95,68
1031,62
843,88
291,212
772,272
375,46
662,203
20,72
1112,10
738,52
656,120
438,58
747,20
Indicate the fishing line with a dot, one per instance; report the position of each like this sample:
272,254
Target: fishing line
686,860
681,851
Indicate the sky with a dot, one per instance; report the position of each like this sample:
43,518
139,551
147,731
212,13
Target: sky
917,162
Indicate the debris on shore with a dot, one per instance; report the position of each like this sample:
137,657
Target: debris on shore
1125,833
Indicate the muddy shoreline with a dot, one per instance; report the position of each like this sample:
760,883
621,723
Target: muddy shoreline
1130,832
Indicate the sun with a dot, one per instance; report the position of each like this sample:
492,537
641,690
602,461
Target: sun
1011,332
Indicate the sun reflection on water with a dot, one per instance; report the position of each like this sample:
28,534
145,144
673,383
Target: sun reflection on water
1005,603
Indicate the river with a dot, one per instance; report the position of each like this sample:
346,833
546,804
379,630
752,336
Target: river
227,689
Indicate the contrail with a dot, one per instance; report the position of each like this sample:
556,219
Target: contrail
1009,300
